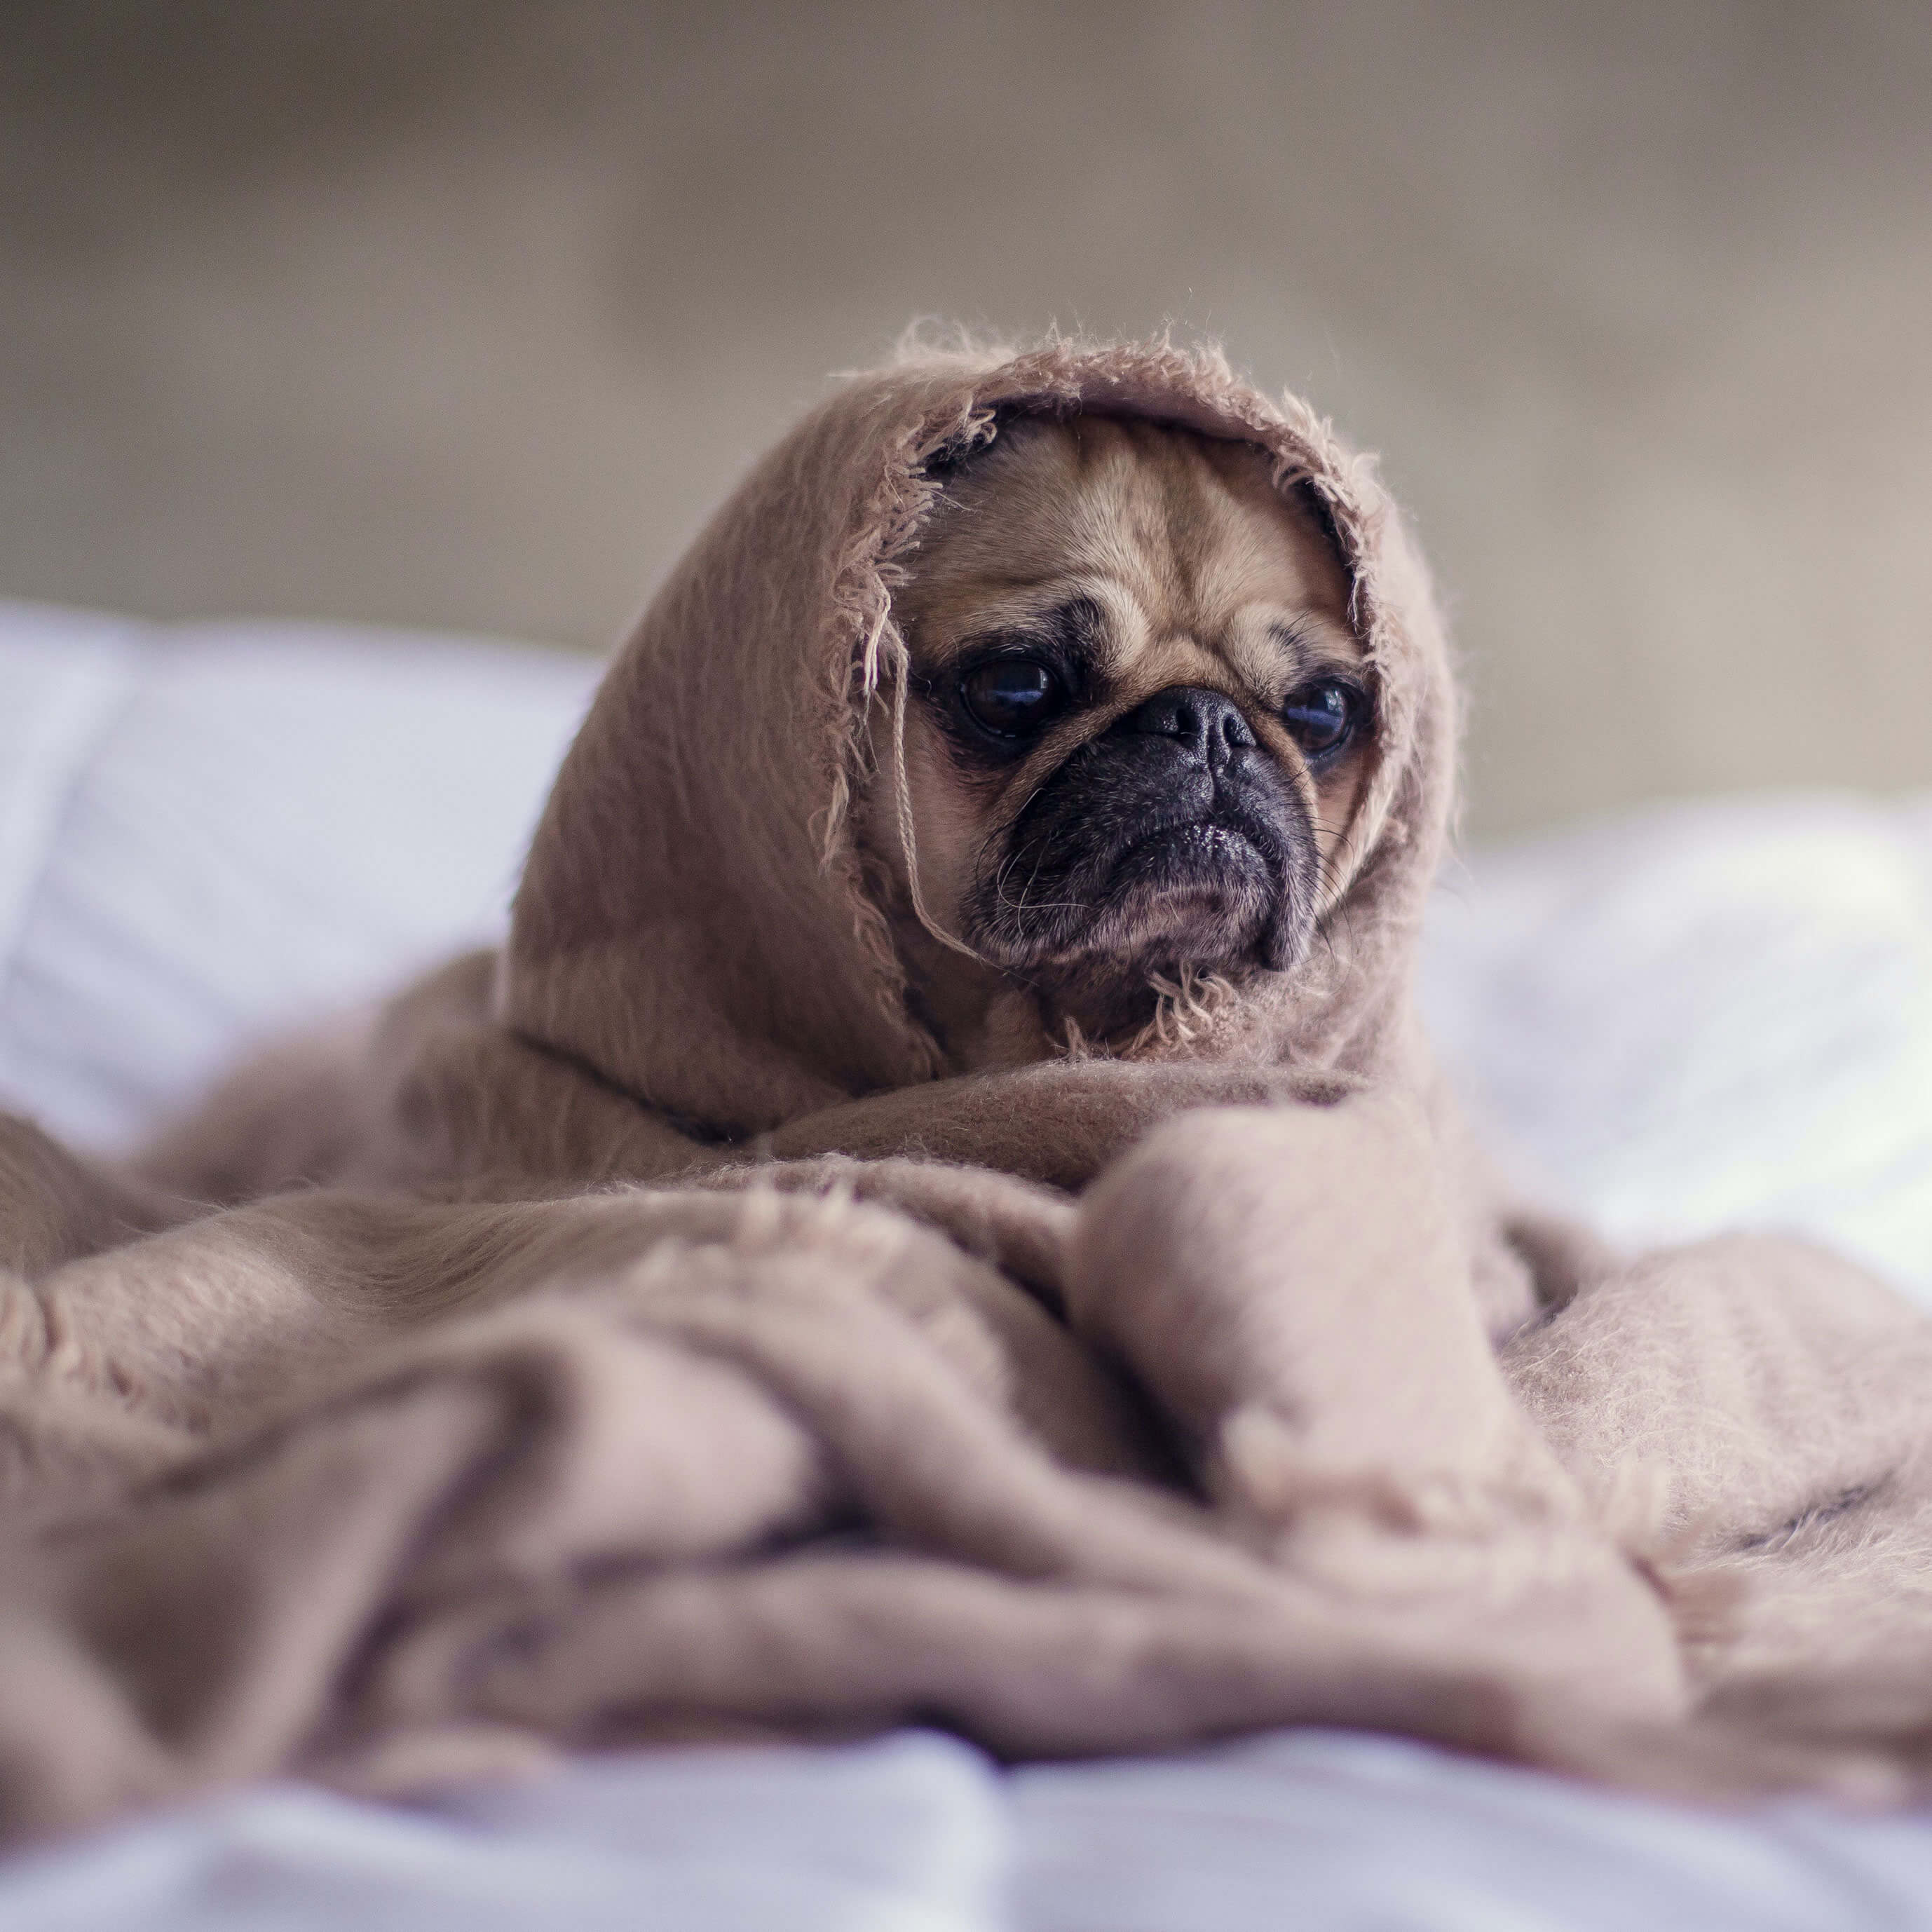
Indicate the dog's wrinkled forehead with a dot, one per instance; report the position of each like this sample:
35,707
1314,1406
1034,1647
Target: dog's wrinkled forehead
1174,556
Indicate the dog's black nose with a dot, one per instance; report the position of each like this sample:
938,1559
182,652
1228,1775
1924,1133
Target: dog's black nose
1209,723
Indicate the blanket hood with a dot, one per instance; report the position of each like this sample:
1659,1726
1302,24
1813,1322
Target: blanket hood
694,925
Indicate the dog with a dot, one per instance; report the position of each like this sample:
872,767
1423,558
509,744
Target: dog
1114,783
1138,723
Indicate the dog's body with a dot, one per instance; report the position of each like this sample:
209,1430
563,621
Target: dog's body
1141,724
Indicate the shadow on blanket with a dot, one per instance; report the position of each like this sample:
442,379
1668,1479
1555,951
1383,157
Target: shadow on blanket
645,1335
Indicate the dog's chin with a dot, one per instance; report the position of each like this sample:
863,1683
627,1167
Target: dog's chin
1199,895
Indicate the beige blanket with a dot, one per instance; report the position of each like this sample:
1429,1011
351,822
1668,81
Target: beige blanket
646,1335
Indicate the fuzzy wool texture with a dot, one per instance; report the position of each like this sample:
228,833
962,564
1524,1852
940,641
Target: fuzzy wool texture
633,1336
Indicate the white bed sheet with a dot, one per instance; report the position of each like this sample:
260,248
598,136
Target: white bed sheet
1703,1016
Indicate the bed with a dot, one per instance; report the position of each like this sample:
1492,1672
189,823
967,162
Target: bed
1701,1015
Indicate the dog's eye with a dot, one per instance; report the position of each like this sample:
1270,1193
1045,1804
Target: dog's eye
1013,697
1322,717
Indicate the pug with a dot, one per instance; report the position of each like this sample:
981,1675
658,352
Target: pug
1138,721
1115,782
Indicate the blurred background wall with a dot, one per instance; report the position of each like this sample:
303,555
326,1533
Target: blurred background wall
462,313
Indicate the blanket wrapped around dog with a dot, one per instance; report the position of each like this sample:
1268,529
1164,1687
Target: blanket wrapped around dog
647,1334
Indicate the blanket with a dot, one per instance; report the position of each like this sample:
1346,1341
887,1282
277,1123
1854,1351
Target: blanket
644,1334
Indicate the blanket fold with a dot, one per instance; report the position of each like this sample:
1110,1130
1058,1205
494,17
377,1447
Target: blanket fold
647,1332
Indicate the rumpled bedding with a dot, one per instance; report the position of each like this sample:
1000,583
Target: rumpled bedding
637,1336
1595,967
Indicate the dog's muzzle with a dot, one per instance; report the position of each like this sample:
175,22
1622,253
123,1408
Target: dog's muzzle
1173,838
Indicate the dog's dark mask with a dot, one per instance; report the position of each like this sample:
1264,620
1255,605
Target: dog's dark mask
1172,839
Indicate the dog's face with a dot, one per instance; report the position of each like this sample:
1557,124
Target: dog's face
1139,718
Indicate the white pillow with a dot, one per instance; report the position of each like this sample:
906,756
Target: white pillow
1707,1016
209,833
